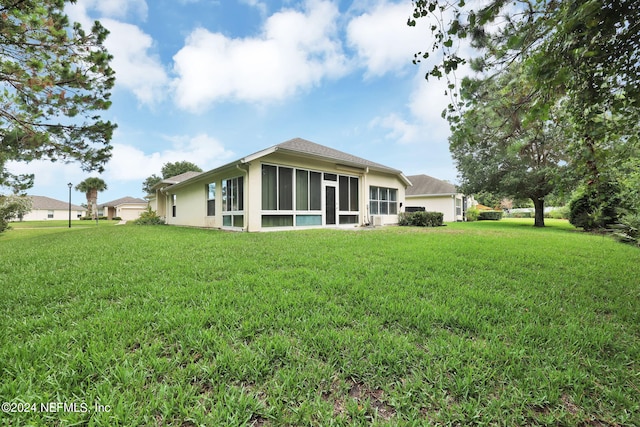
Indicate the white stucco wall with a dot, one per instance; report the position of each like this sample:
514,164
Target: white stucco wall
445,204
43,215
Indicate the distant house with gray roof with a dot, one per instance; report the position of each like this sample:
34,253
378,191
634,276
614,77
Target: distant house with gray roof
435,195
126,208
294,184
46,208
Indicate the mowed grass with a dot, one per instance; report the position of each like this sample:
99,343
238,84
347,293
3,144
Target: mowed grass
490,323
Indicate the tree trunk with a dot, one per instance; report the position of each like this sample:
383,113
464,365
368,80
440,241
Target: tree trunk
538,203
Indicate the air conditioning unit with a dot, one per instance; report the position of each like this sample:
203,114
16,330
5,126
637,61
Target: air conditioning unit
376,220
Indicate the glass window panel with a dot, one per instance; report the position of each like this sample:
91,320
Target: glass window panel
384,194
302,190
269,187
238,220
330,177
211,207
373,193
344,193
353,195
315,191
234,194
384,208
226,220
393,208
240,192
277,220
304,220
392,194
373,207
285,189
348,219
225,196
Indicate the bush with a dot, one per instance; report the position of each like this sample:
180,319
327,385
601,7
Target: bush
421,219
149,217
595,207
629,231
472,214
560,213
490,215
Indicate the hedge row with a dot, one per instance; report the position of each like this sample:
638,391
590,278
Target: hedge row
490,215
421,219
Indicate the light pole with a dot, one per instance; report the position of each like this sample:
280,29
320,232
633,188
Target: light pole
70,185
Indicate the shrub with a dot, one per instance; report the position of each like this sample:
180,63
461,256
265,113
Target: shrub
595,207
629,231
149,217
421,219
560,213
490,215
472,214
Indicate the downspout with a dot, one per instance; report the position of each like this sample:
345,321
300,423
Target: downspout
365,199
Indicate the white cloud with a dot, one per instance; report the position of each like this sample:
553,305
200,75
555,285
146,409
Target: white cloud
260,5
384,41
295,51
137,69
117,9
129,163
422,119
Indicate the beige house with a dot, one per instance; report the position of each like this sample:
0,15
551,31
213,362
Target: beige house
126,208
46,208
435,195
293,185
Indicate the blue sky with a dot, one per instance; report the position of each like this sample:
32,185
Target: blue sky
212,81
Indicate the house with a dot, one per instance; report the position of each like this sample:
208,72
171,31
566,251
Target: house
295,184
45,208
125,208
435,195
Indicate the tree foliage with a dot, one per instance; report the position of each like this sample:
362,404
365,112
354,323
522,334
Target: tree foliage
11,207
168,170
91,186
497,149
55,80
580,55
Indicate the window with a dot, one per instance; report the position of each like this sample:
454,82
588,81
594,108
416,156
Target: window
233,202
211,199
291,191
173,205
383,201
50,214
348,193
278,193
233,194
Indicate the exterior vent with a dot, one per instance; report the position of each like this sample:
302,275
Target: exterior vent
376,220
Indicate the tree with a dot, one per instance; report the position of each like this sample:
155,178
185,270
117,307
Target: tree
169,170
585,51
13,206
55,80
90,187
497,149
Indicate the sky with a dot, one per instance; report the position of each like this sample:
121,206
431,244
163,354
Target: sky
211,81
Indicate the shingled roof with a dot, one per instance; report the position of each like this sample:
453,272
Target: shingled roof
123,201
425,185
299,145
47,203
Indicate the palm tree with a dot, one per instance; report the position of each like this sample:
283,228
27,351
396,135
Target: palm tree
90,187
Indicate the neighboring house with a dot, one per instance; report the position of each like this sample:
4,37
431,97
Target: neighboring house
126,208
295,184
44,208
435,195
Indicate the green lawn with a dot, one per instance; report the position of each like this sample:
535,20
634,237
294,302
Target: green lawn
489,323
